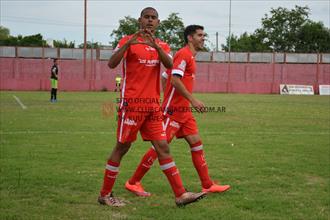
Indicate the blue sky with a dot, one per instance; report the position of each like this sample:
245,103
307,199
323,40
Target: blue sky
59,19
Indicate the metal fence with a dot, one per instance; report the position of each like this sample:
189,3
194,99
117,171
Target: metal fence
221,57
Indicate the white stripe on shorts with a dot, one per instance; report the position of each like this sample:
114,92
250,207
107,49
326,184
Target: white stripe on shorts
166,123
169,100
121,126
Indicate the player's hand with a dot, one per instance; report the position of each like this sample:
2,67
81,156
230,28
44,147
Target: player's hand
198,105
134,40
150,39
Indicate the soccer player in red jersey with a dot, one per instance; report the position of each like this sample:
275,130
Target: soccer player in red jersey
178,118
139,108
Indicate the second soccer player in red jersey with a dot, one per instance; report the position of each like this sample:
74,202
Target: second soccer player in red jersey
179,120
139,107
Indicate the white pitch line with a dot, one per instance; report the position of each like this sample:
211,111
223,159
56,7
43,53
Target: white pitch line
202,133
57,132
265,133
19,102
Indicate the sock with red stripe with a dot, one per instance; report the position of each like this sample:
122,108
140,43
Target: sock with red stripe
144,166
110,175
172,173
197,155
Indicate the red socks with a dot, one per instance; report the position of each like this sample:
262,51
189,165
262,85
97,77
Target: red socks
197,155
145,164
110,175
168,167
172,173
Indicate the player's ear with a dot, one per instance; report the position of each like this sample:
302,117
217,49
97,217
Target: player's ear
190,38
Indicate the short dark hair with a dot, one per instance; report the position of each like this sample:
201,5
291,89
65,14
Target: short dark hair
148,8
54,60
190,30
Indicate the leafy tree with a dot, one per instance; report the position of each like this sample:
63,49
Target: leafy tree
244,43
63,44
284,30
127,26
4,33
31,40
169,30
280,30
90,45
313,37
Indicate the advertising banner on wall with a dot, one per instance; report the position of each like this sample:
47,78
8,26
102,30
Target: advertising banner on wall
286,89
324,89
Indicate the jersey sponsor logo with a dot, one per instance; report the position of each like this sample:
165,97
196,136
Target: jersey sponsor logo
150,48
182,65
174,124
130,122
149,62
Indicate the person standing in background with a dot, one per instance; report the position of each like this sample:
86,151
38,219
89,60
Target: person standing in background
118,81
53,81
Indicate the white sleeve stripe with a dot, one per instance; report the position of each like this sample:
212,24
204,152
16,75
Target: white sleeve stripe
177,71
165,75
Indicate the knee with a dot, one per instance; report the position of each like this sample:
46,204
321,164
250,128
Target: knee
122,149
163,149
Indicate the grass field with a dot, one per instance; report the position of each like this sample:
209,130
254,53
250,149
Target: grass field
274,151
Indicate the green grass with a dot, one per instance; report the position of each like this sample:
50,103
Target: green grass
274,151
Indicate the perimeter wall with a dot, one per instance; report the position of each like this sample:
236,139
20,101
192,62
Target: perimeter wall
28,68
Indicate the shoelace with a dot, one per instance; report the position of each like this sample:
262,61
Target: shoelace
113,199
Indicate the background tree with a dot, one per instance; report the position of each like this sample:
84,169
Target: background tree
280,30
127,26
169,30
63,44
284,30
244,43
4,33
313,37
31,41
90,45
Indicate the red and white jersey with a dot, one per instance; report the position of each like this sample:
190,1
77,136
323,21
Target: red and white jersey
141,72
184,65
